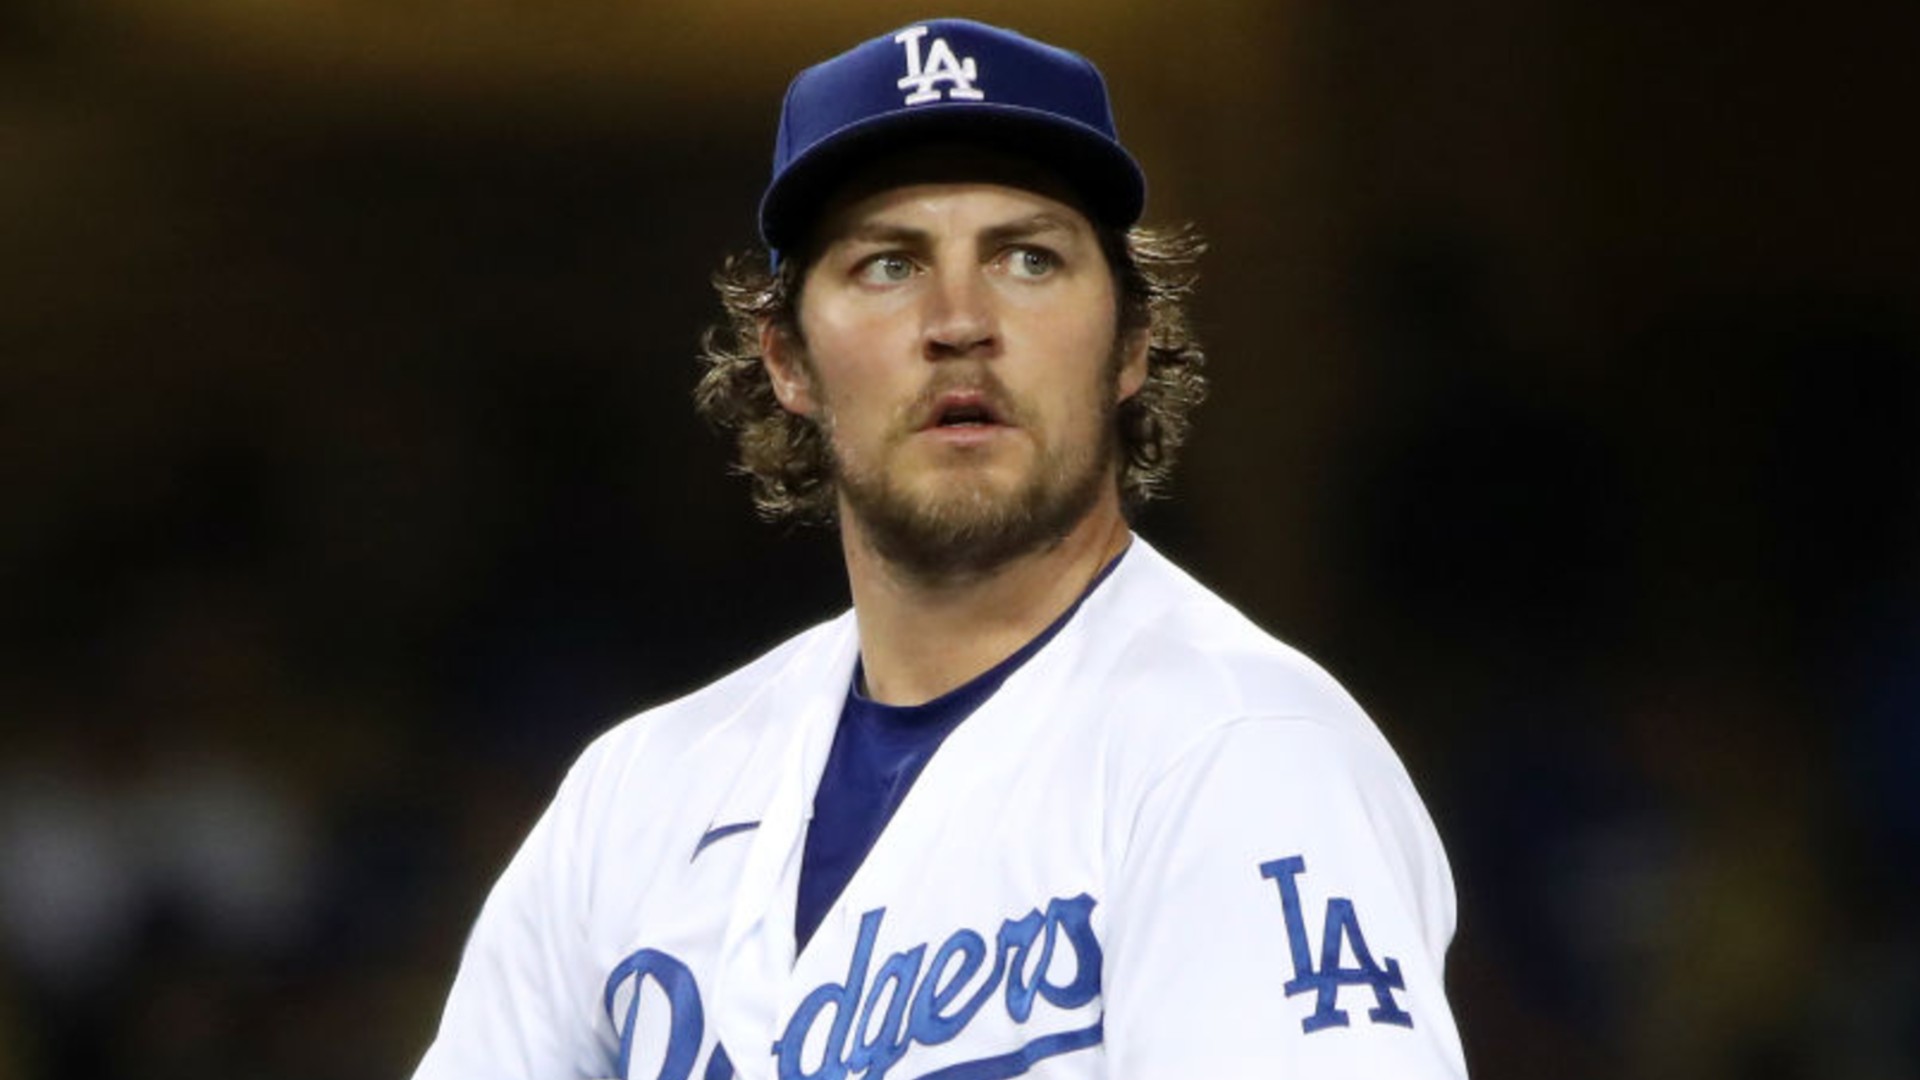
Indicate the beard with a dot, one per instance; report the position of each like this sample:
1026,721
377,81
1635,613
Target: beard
968,525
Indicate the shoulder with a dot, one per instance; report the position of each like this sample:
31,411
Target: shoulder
1180,660
1224,746
730,712
1192,687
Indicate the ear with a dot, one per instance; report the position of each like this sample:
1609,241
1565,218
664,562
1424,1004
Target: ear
1133,364
781,356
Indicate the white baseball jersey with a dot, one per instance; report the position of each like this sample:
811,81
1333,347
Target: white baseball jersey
1168,847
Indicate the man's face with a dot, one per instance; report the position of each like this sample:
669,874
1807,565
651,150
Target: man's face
961,355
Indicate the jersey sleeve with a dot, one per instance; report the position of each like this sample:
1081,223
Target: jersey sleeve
522,1005
1281,908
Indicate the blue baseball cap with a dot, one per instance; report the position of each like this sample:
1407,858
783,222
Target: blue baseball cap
952,79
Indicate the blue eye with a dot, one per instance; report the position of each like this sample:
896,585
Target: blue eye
886,269
1032,262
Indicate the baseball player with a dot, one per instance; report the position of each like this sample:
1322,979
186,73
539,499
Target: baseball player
1039,804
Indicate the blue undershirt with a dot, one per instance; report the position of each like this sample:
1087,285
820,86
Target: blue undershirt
878,752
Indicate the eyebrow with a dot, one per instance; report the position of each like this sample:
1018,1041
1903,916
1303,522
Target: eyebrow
1033,225
1037,224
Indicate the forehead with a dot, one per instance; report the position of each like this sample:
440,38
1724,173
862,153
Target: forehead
899,179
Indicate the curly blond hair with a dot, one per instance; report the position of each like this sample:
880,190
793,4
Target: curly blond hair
787,456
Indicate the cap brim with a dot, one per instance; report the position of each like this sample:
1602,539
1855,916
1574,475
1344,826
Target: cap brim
1107,179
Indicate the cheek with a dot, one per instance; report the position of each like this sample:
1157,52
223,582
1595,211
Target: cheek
849,362
855,330
1098,375
854,417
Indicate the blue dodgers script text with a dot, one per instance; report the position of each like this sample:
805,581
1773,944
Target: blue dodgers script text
876,1015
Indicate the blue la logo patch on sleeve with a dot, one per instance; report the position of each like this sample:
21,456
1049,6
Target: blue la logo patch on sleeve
1340,933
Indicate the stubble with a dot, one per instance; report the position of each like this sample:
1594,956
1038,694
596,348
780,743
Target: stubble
966,525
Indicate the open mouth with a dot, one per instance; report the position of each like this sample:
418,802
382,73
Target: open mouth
965,416
963,410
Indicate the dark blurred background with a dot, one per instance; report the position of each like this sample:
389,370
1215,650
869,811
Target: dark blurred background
1566,388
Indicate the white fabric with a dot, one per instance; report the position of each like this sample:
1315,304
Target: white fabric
1124,808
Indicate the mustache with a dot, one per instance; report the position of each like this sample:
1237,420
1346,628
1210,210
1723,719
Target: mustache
926,406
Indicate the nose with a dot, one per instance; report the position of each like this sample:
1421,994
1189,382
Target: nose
960,317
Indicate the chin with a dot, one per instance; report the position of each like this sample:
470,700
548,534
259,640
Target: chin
964,527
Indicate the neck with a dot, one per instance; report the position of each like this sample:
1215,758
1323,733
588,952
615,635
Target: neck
920,639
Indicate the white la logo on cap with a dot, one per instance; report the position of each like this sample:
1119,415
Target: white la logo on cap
941,66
